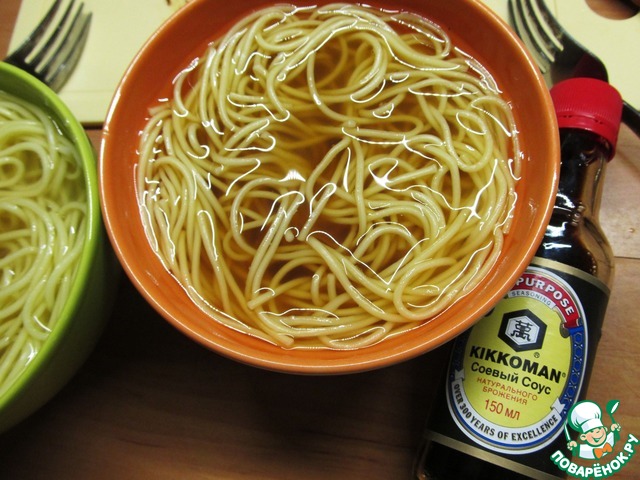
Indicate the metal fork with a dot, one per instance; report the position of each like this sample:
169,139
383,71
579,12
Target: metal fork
52,50
558,55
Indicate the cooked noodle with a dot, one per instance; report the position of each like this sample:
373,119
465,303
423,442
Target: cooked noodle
42,215
325,177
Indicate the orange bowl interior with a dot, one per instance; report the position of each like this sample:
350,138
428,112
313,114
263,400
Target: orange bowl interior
184,38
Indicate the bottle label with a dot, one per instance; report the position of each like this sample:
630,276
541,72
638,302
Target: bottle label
514,375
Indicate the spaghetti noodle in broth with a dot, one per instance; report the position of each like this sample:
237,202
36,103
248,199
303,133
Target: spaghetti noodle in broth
43,209
325,177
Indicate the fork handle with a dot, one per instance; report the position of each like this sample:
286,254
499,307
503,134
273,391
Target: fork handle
631,117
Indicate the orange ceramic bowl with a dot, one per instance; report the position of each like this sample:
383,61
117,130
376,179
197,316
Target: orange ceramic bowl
184,37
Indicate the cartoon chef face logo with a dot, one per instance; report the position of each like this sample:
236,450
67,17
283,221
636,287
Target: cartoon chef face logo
596,440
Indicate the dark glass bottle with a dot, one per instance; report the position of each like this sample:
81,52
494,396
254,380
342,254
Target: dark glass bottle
514,376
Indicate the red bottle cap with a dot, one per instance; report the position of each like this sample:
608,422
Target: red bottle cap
589,104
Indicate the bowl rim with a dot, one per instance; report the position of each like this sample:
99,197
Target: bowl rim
286,360
23,85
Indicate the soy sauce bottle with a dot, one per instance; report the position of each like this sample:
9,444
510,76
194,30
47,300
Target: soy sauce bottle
513,377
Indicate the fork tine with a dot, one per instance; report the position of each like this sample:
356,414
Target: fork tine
522,23
52,50
571,59
68,53
531,24
547,25
45,51
27,46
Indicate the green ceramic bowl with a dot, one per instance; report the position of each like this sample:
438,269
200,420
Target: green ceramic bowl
84,315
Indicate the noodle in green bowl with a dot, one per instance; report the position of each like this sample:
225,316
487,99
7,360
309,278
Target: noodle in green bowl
330,180
53,256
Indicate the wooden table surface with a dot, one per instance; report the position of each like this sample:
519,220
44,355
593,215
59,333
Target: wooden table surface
151,404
